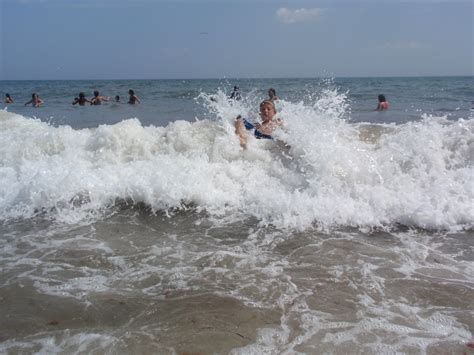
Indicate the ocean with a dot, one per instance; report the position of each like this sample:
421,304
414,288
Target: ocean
129,229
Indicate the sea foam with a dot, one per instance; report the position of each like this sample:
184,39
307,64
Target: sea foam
322,169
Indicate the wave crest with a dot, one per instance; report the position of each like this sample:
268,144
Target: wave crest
329,171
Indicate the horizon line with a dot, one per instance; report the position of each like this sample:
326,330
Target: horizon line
253,78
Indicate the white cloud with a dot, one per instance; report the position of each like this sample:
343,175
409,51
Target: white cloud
299,15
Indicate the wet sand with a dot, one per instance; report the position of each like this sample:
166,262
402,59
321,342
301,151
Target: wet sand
140,283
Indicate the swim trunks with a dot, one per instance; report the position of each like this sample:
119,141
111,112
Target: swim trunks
257,133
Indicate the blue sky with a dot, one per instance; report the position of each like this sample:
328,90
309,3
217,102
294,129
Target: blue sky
145,39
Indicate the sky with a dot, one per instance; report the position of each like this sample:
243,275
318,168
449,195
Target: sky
166,39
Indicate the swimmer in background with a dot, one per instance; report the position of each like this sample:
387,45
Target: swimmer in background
97,99
81,100
117,98
8,99
132,98
383,103
262,130
235,95
272,96
35,101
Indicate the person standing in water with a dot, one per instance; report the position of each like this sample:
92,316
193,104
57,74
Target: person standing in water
81,100
35,101
97,99
132,98
8,99
383,103
272,96
235,95
262,130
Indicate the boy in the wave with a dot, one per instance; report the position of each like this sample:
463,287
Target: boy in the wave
262,130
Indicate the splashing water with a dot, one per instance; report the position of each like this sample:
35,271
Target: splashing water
328,171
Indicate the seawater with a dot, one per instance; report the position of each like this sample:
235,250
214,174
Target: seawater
148,229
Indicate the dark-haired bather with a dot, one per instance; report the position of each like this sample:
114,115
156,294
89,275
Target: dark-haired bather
97,99
132,98
81,100
35,101
383,103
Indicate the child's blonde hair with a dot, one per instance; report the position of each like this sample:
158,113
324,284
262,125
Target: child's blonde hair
270,102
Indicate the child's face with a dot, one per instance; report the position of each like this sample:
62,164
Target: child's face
267,111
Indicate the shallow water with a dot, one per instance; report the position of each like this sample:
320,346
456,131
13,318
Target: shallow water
138,282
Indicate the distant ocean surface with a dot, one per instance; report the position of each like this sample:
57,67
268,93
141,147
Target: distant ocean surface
165,101
147,229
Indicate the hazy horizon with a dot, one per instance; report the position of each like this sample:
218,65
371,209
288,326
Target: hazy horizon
248,78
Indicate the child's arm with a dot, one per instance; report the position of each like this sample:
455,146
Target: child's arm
240,131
